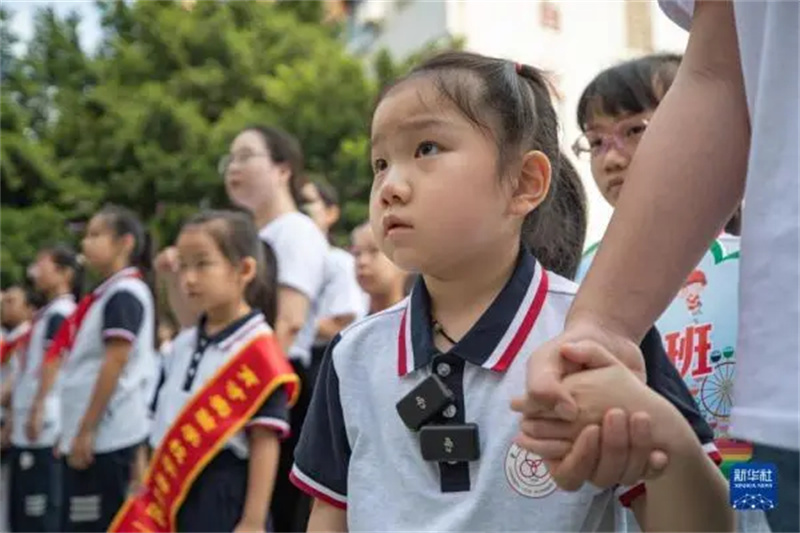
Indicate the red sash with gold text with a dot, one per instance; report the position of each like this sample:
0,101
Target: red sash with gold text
219,410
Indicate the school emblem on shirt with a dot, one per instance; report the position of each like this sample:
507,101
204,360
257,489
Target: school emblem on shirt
528,474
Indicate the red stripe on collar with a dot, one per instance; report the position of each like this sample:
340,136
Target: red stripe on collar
527,325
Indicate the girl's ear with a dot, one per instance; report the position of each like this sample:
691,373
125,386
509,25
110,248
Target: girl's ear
248,269
127,243
532,184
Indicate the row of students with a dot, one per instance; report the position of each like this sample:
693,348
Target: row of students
78,411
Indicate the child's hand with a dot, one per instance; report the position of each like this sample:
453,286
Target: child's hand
167,260
82,454
33,427
622,449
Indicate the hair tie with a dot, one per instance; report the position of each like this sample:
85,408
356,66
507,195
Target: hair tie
518,68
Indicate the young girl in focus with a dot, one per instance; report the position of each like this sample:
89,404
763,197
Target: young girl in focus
101,354
471,191
224,403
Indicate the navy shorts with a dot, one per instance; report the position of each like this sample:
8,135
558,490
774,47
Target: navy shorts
35,491
216,500
93,496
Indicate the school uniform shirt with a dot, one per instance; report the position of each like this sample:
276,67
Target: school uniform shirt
195,359
123,309
300,250
26,385
356,454
765,392
341,294
11,366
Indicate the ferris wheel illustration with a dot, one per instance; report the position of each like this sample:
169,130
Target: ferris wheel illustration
716,392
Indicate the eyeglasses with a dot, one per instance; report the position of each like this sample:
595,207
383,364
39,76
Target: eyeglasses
242,158
624,137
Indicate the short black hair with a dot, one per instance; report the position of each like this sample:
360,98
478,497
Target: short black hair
327,192
628,88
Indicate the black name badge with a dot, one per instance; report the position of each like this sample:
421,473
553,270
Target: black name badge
450,443
424,402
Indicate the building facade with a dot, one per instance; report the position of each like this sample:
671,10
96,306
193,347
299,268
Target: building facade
571,39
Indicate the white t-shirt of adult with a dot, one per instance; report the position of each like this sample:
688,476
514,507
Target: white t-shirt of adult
300,250
765,407
341,294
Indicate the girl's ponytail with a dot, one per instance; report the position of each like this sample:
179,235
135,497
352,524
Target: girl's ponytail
556,230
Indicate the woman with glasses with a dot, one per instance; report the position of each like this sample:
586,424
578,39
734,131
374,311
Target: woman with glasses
613,114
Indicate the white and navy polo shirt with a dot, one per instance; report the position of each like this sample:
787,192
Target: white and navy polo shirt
356,453
341,294
300,251
123,309
195,359
29,368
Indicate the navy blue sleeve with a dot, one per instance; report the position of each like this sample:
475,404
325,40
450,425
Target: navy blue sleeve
322,455
274,413
122,316
52,326
664,378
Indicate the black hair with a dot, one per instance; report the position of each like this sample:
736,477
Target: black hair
734,224
237,238
631,87
284,148
512,104
327,192
65,258
122,221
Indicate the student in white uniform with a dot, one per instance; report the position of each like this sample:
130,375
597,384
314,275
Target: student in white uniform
234,464
16,310
384,284
467,170
613,113
102,350
36,474
342,300
738,87
264,175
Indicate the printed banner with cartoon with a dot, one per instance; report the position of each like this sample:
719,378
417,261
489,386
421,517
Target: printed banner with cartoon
699,333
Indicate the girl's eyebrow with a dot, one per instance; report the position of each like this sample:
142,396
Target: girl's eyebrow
413,124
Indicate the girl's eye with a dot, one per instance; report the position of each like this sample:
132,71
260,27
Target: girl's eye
635,131
379,165
426,148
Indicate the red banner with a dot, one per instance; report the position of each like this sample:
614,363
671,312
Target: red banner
216,413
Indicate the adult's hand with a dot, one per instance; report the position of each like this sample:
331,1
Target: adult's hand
545,394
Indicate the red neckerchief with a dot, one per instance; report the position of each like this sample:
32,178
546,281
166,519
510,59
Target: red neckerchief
8,347
65,336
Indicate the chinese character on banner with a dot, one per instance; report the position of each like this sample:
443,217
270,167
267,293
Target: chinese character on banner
247,377
154,511
191,435
169,467
178,451
234,392
205,420
220,406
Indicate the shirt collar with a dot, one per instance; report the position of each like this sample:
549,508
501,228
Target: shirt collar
124,273
234,331
495,339
40,313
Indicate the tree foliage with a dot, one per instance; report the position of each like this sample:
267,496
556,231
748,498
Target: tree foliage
143,119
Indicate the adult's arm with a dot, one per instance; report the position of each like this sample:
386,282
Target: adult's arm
685,181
